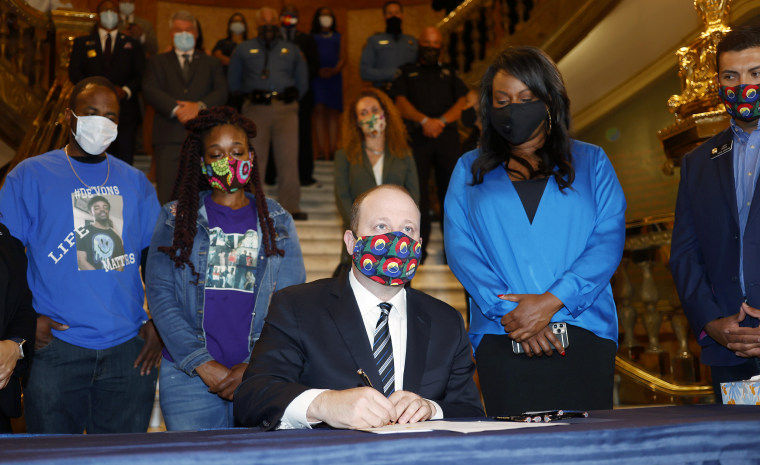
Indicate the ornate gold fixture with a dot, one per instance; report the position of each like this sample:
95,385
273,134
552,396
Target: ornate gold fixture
699,114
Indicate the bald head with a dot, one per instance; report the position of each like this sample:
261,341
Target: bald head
431,37
268,17
386,204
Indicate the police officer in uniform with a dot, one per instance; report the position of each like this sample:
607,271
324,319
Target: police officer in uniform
385,52
271,75
431,98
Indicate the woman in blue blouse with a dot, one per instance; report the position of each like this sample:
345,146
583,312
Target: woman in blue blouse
217,255
534,229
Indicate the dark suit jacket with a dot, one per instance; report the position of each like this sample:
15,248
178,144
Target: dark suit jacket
126,68
351,180
163,85
17,317
704,255
314,337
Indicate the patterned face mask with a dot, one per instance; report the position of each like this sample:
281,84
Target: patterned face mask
227,174
374,125
741,101
389,259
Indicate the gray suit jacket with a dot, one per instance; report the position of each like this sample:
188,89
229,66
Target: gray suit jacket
163,85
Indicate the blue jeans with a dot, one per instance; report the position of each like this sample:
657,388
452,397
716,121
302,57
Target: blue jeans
72,389
187,405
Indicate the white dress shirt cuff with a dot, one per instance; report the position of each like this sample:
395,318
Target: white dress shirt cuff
438,414
174,110
295,414
128,92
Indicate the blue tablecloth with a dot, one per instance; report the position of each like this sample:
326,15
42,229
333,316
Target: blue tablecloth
667,435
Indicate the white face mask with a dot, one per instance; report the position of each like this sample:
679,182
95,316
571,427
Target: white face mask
126,8
326,21
109,19
237,27
94,133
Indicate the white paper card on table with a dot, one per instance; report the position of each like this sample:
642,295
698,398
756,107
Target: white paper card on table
456,426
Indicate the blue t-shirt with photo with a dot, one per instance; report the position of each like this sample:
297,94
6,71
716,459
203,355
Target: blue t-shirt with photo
84,226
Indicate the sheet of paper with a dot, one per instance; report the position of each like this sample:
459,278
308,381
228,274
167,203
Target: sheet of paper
457,426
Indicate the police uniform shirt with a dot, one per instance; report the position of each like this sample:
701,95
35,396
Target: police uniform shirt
383,55
254,67
432,90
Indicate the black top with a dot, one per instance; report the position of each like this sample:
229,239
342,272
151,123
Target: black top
530,192
17,317
430,89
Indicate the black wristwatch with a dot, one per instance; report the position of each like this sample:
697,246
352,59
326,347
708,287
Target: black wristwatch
20,343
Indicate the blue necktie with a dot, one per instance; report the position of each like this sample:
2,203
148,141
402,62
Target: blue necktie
383,350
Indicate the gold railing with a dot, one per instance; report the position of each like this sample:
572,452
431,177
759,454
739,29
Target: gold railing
478,29
658,354
42,113
26,50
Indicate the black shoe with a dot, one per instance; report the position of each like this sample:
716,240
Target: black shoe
309,182
300,216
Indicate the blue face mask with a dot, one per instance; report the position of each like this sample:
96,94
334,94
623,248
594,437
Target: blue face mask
109,19
184,41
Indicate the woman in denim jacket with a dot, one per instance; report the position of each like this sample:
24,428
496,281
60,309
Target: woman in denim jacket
217,254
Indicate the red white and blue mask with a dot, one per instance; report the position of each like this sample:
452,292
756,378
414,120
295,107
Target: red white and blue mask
741,101
389,259
227,174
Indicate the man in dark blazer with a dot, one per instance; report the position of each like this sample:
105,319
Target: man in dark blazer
178,84
716,236
123,65
304,368
18,323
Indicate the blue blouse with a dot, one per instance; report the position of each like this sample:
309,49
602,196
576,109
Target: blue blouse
571,249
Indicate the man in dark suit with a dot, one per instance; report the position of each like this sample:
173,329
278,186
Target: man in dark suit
413,348
112,54
18,323
715,247
178,84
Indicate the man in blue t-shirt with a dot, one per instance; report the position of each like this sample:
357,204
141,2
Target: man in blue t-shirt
86,218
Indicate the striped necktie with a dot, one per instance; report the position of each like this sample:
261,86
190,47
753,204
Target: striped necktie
383,350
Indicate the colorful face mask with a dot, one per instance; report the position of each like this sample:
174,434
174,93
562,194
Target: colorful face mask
389,259
227,174
741,101
374,125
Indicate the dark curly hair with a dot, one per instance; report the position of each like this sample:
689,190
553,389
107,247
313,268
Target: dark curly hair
539,73
190,182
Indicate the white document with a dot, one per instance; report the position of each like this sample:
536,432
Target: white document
457,426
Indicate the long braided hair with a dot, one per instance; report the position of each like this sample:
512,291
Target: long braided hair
190,182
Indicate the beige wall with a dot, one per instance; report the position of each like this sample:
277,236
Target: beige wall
629,136
356,25
362,23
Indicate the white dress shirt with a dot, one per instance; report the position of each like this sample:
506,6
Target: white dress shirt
295,414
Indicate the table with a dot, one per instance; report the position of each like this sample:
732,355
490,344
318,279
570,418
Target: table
667,435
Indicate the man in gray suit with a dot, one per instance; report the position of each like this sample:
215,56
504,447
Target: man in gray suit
179,84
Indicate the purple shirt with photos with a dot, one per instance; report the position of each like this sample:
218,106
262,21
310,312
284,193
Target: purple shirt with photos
230,279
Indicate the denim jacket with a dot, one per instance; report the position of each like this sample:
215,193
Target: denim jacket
176,304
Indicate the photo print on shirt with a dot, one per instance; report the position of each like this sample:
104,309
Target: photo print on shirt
232,260
99,222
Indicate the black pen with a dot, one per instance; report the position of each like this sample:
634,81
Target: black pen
365,378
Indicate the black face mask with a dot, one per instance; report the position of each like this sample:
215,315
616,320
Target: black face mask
393,25
516,122
428,55
268,33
